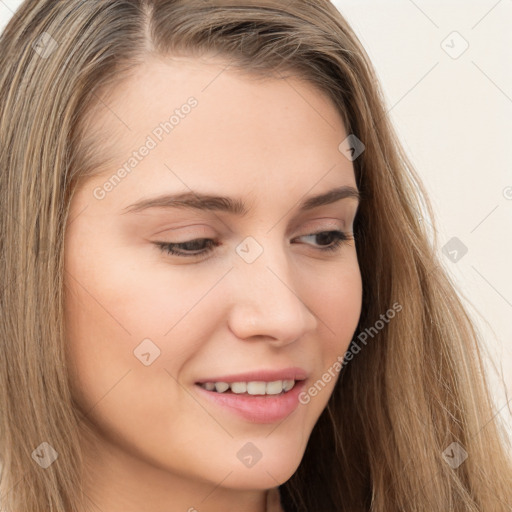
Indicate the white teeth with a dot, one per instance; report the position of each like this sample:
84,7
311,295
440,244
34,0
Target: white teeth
256,388
252,388
221,386
288,384
239,387
274,388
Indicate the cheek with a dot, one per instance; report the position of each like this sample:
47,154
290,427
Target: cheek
118,309
336,300
113,307
99,340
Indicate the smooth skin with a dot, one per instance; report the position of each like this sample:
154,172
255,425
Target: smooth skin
160,446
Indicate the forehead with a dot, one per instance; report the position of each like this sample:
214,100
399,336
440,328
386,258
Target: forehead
205,121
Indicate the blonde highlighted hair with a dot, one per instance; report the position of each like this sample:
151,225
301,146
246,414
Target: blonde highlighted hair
411,392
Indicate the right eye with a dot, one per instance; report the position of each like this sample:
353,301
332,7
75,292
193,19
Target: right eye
200,245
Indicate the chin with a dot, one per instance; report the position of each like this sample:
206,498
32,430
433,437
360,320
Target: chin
268,472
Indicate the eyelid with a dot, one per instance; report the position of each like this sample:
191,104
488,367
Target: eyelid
204,231
325,224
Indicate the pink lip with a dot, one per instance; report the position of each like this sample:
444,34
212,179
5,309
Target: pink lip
294,373
256,408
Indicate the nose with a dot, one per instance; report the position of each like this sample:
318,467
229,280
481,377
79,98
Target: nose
266,301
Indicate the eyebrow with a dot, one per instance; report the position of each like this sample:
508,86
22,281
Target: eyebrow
234,206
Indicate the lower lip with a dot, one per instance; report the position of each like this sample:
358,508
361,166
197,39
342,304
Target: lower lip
258,408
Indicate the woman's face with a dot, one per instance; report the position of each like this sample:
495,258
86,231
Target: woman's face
145,326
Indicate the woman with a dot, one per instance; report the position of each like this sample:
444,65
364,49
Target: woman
218,294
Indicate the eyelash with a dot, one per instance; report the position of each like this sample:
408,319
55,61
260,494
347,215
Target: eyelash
169,248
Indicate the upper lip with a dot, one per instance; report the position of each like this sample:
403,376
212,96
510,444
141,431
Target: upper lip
266,375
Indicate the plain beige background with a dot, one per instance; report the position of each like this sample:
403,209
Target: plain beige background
445,68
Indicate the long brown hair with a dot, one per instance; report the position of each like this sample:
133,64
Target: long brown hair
413,390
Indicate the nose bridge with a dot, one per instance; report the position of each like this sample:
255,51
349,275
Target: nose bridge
266,301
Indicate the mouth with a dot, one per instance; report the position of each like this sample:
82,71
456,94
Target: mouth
254,388
254,405
258,397
254,383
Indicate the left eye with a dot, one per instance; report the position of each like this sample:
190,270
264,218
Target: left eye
205,245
